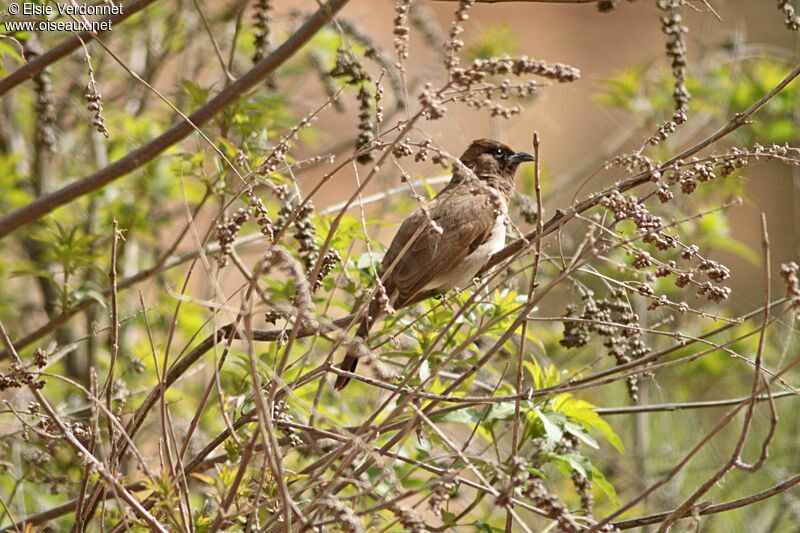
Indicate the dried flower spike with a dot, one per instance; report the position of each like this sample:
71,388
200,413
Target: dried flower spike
672,25
95,104
401,31
789,275
366,126
604,6
227,230
454,45
792,20
261,22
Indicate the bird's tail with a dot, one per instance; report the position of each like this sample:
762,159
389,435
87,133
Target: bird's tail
349,363
354,350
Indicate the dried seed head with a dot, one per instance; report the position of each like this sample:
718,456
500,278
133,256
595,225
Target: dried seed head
604,6
432,105
261,22
789,276
409,519
672,25
792,20
343,514
95,104
227,230
551,505
401,31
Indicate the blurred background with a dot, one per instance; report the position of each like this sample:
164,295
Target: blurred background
620,99
737,51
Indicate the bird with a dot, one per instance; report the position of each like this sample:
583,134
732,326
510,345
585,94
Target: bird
445,244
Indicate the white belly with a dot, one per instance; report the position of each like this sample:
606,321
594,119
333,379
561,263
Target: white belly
463,274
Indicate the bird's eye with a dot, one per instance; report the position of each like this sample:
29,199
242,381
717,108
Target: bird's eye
498,152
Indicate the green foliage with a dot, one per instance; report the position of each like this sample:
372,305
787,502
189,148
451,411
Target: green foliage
494,41
776,123
573,462
718,225
73,252
10,51
583,413
14,195
644,90
626,90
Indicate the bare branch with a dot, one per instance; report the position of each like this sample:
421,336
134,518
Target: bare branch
35,66
182,129
713,509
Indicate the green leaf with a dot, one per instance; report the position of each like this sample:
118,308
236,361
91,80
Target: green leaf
197,94
38,272
428,187
205,478
603,484
8,49
716,226
542,377
583,413
553,426
572,461
536,340
536,472
500,411
480,525
365,262
580,432
568,462
92,294
424,370
624,90
292,477
448,518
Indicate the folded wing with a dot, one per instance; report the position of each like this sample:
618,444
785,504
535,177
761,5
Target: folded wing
466,218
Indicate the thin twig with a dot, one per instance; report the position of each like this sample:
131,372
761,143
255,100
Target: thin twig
85,455
735,458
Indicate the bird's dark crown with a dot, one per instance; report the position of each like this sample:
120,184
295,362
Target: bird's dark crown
494,162
485,147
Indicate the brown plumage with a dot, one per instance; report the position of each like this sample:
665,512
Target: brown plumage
464,226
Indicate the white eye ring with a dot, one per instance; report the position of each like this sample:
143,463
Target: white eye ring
499,152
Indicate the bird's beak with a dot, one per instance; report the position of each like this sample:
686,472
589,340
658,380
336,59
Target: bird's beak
521,157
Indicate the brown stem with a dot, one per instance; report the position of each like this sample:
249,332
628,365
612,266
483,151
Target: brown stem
713,509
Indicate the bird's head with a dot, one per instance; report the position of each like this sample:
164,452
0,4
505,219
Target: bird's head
490,159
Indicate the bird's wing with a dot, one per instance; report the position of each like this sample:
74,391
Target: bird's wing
465,215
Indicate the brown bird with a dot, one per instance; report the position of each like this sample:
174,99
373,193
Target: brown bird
455,236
